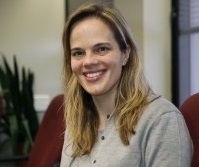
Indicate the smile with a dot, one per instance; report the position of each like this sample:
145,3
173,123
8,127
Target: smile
93,75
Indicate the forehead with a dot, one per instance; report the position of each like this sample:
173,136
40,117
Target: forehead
91,21
91,28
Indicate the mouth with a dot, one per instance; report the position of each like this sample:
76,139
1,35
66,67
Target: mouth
93,75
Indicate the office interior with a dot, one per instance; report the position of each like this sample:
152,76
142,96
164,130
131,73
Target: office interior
32,30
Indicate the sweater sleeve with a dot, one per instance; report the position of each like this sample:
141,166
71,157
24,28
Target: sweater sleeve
168,144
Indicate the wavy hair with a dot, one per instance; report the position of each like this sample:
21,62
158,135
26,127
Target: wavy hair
81,116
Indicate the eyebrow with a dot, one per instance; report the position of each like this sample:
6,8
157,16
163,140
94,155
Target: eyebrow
96,45
105,43
76,48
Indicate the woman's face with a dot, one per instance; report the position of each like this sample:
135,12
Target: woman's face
96,59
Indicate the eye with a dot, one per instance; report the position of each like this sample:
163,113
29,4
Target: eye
77,53
102,49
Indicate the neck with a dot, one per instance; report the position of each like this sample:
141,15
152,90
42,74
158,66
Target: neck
105,107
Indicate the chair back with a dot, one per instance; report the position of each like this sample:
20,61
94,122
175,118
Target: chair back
190,111
46,151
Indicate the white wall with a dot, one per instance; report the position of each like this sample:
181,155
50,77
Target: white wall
32,30
150,22
157,45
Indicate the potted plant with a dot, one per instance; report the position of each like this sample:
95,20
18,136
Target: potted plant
18,118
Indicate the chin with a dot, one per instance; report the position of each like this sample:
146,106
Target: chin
96,93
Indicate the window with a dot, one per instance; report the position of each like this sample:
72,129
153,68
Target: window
185,49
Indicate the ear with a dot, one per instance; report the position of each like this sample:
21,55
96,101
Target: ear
126,55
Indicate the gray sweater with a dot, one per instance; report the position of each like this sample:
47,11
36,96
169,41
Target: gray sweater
161,140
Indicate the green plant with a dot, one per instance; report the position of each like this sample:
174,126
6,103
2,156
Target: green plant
19,119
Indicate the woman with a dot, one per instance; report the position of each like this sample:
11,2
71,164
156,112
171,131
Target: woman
113,118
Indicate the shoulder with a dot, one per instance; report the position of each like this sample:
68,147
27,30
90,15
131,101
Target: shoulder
160,111
159,102
159,106
162,131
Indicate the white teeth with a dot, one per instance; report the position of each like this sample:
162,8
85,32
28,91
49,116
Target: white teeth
92,75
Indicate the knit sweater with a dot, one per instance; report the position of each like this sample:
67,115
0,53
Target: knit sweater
161,140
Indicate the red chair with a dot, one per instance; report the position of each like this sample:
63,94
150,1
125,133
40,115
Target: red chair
190,111
46,151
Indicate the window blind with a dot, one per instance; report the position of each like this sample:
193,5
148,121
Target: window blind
188,48
188,16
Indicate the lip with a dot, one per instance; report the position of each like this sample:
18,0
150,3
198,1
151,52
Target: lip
93,75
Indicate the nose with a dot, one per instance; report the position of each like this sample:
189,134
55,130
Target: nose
90,59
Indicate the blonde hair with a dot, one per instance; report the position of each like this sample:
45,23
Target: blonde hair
81,116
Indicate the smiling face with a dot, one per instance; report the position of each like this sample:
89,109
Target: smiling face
96,59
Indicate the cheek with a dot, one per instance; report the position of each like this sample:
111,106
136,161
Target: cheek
74,66
118,63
